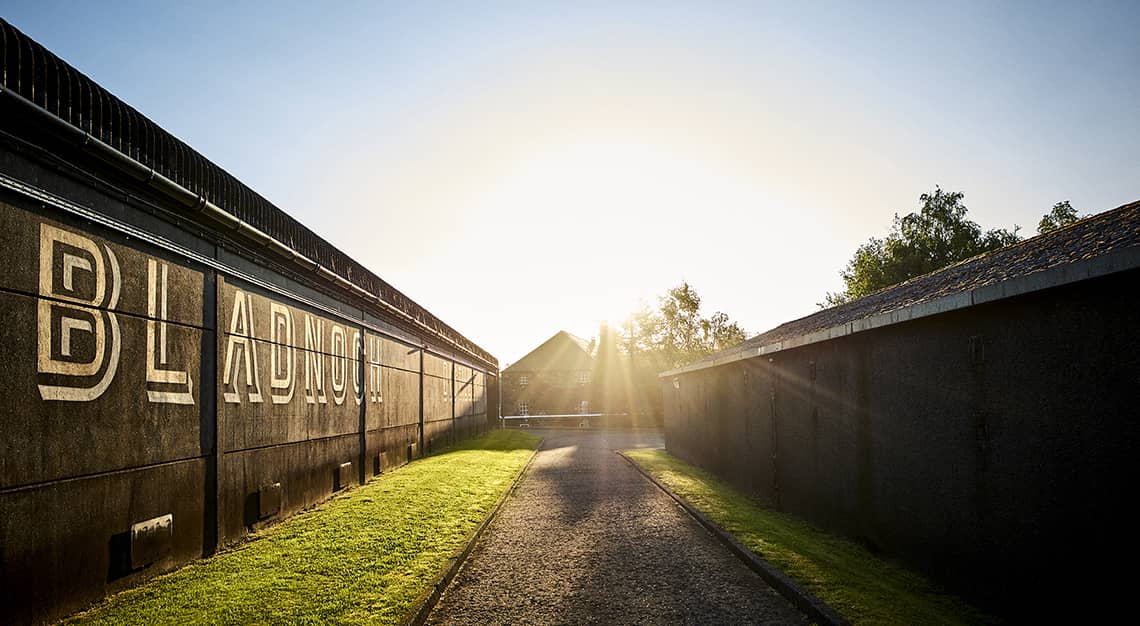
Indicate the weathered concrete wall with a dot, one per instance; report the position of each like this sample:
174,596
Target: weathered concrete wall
290,400
988,447
392,416
102,423
191,398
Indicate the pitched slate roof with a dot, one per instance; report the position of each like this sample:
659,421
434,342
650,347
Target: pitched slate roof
563,351
1058,257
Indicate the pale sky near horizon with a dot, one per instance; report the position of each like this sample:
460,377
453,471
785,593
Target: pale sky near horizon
520,170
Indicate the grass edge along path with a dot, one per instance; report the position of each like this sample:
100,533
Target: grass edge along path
368,555
861,587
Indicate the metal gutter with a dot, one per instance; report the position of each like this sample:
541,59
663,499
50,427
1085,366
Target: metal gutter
1056,276
196,203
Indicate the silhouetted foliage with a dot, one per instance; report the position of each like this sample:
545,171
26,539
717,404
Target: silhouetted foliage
675,333
662,338
937,235
1062,214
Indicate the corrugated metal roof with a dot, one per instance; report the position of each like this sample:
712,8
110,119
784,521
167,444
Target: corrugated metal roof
1084,240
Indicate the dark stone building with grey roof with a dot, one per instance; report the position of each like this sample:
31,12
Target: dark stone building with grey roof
183,361
556,378
978,423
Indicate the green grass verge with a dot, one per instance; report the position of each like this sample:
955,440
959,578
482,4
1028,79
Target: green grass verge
860,586
364,556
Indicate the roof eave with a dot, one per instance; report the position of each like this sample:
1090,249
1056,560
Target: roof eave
1056,276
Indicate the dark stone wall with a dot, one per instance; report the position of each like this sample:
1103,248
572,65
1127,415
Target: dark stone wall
550,392
98,434
988,447
291,394
205,398
492,400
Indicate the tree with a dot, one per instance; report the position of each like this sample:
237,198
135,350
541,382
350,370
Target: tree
723,332
937,235
676,334
1062,214
669,336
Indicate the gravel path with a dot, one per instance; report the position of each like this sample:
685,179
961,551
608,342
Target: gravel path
587,539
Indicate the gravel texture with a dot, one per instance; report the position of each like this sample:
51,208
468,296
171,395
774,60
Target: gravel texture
587,539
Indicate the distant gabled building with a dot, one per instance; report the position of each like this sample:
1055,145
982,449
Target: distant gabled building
553,379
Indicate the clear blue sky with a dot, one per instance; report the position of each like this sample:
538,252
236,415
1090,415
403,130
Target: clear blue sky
524,169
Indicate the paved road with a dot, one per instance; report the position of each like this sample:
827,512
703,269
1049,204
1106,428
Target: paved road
587,539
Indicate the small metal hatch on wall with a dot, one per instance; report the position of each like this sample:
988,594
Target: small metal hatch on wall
151,540
344,476
269,500
144,543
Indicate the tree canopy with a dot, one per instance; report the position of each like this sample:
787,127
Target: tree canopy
937,235
675,333
1062,214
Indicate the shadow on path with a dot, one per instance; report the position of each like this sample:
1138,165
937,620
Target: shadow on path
587,539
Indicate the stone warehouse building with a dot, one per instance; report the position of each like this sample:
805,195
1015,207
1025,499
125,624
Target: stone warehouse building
184,362
570,377
556,378
979,423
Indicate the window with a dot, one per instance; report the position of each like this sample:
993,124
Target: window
524,380
583,377
584,407
523,409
